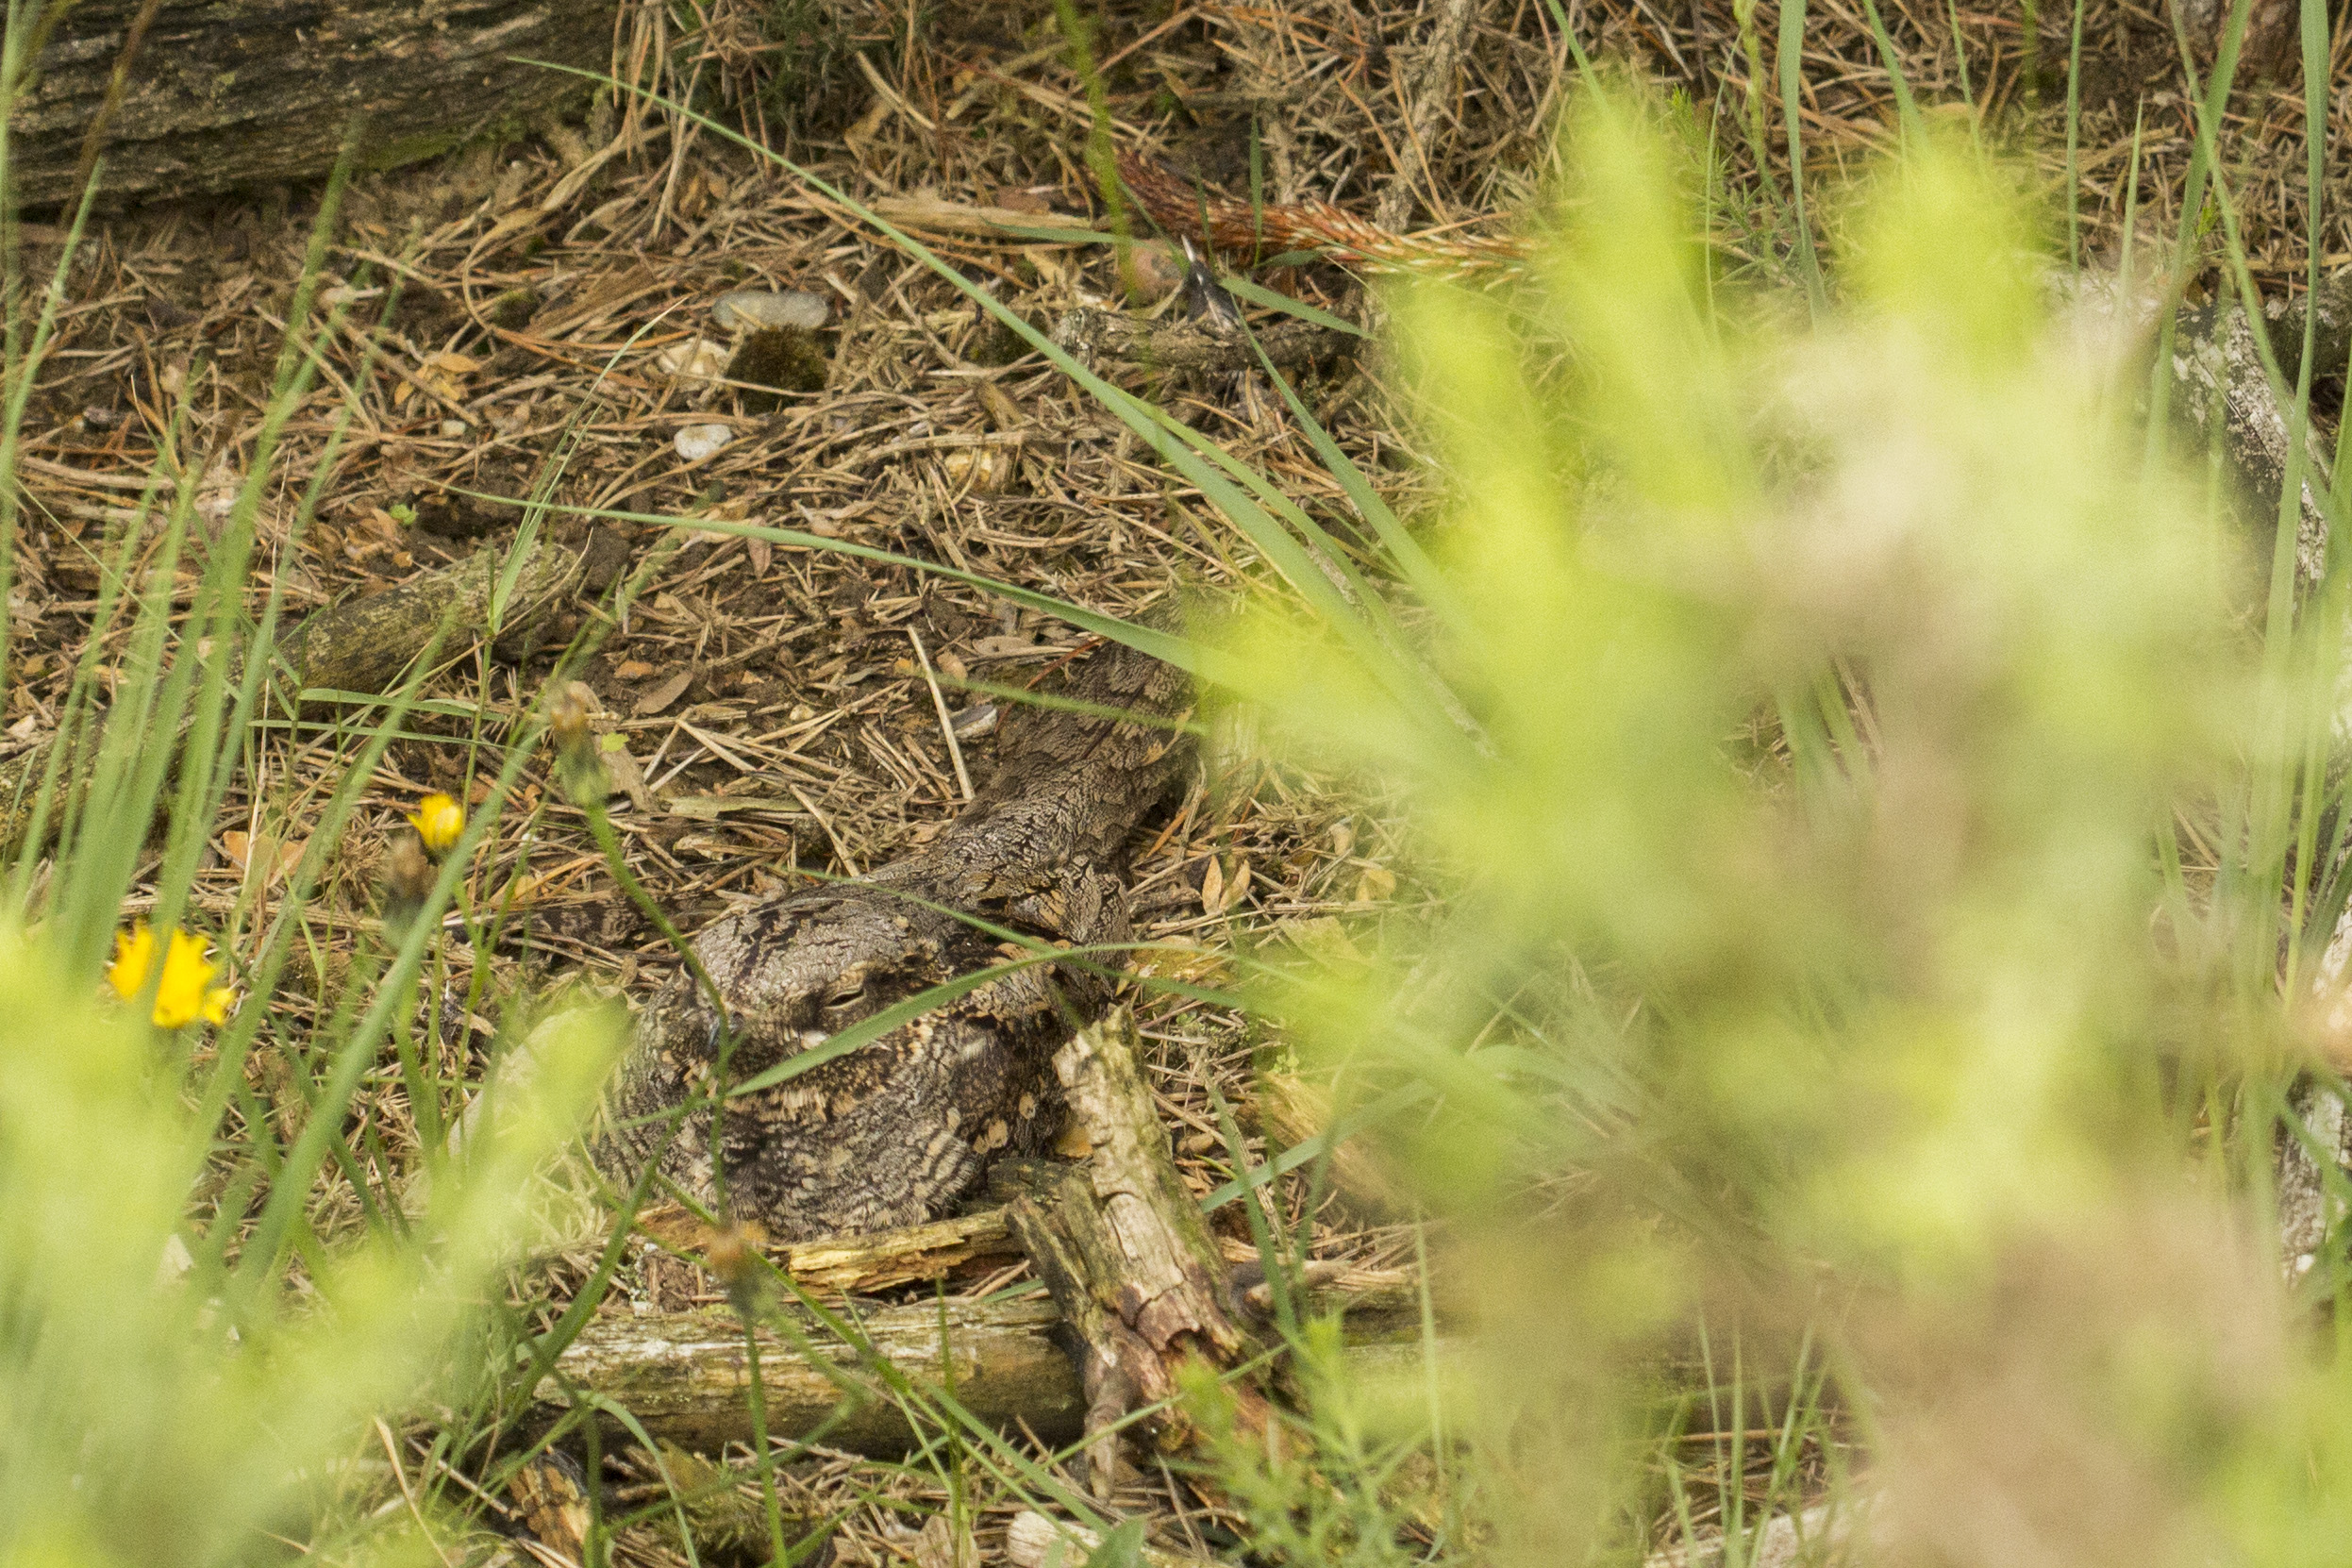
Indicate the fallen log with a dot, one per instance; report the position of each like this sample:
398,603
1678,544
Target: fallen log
365,644
230,93
684,1376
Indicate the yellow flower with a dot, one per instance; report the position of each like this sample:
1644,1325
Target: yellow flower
186,992
437,821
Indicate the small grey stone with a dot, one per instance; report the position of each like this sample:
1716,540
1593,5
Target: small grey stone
753,310
697,442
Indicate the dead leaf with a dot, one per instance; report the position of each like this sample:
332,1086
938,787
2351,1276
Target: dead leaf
1014,646
1235,885
981,470
1376,883
944,1545
278,859
1324,940
1175,960
696,359
628,777
664,694
444,374
1213,887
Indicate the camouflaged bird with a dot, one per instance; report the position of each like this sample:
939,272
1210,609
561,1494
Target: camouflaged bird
896,1130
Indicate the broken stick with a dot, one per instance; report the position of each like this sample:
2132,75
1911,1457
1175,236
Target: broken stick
1124,1253
1093,336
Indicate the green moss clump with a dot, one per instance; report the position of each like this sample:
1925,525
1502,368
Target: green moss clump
1001,345
787,359
515,308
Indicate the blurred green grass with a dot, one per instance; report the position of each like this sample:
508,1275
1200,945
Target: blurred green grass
1875,824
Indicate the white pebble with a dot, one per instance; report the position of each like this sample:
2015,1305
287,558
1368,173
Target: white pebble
697,442
751,309
453,428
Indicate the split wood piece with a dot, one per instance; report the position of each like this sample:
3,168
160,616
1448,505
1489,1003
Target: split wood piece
1093,336
1122,1247
229,92
861,1265
546,1494
1033,1540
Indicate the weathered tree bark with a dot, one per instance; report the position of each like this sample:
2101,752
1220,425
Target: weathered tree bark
2217,369
2266,50
229,93
1124,1253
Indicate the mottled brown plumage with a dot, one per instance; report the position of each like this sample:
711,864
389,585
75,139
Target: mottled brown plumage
896,1130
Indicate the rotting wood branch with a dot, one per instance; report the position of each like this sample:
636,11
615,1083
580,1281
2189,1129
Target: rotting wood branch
683,1375
365,644
1124,1251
